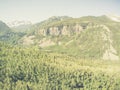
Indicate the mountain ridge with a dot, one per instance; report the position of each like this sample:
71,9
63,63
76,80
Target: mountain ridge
84,33
88,37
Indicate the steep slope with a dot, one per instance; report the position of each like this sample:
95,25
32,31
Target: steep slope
3,28
7,35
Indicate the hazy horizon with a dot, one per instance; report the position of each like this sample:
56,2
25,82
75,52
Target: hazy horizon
38,10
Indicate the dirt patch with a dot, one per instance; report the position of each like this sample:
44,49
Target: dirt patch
110,54
28,40
45,43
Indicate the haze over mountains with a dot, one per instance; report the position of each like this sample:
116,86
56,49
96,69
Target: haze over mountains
87,37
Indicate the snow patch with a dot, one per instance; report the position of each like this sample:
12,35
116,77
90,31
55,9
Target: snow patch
18,23
114,17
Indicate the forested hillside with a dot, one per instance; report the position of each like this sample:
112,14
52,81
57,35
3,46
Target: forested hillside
30,68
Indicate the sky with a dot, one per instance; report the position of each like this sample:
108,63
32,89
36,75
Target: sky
39,10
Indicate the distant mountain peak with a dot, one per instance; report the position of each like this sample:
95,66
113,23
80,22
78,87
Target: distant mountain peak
17,23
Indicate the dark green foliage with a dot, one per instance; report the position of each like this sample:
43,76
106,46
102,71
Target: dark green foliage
11,37
7,35
4,28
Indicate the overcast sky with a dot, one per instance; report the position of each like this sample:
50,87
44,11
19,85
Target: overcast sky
38,10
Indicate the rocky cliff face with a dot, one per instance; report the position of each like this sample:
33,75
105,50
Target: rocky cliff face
88,37
61,30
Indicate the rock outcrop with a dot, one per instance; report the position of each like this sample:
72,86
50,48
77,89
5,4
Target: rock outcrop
61,30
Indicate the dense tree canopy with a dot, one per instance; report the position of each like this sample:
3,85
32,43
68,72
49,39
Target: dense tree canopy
29,68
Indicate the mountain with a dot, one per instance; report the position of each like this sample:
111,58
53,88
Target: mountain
7,35
20,26
87,37
18,23
4,28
